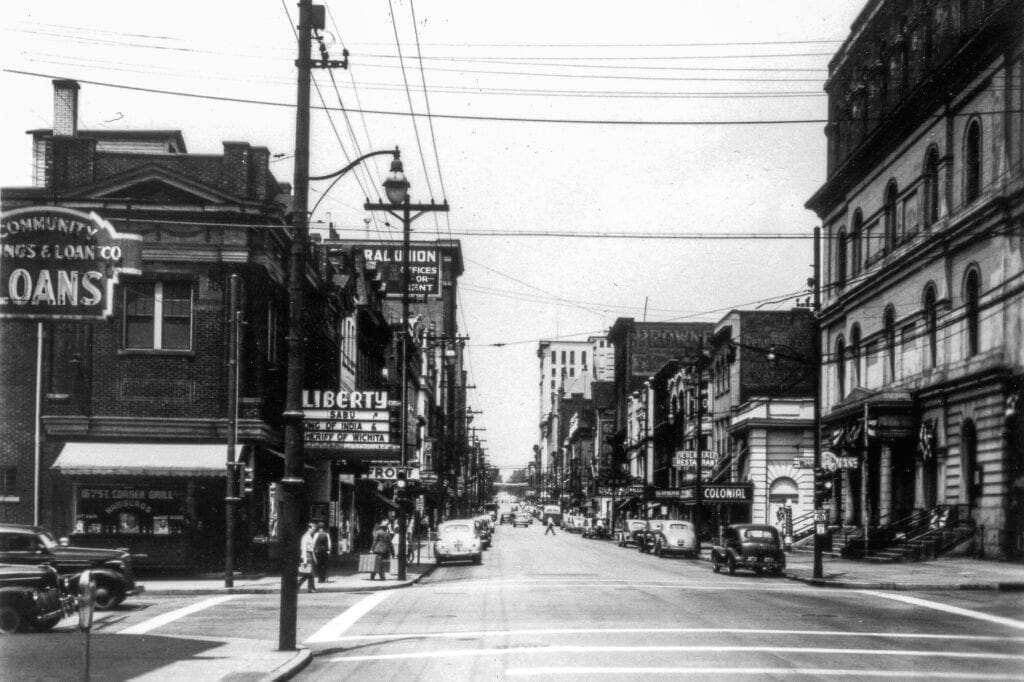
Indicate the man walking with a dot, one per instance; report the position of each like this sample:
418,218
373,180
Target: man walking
551,526
321,552
306,560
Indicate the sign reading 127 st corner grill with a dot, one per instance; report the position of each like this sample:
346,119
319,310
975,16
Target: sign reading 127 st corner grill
61,264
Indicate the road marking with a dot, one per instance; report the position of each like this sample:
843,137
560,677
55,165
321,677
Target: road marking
577,649
334,629
460,634
968,613
759,672
159,621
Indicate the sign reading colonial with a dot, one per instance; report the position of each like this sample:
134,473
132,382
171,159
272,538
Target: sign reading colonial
424,268
347,420
61,264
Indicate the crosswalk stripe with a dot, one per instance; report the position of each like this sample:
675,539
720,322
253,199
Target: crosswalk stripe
161,620
334,629
556,671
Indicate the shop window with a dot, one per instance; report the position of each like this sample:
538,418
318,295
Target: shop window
158,316
8,483
972,162
129,510
970,473
972,296
930,207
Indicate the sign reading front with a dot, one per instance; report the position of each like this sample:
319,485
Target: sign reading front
61,264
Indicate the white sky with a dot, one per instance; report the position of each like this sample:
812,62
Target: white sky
499,176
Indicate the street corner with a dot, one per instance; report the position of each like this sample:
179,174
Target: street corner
290,668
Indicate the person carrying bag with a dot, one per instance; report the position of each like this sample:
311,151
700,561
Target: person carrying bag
381,549
306,560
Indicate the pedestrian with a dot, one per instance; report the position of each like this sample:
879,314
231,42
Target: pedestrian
306,559
380,548
551,527
321,552
343,531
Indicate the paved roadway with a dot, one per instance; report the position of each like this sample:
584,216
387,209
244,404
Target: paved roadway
562,606
565,607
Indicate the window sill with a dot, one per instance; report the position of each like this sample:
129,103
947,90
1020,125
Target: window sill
154,352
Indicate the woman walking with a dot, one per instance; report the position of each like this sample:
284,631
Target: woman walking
381,548
306,559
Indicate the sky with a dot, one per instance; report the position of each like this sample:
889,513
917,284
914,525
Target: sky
598,128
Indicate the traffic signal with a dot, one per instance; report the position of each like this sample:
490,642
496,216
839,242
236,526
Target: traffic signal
822,484
401,488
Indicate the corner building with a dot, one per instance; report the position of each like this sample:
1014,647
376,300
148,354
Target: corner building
922,323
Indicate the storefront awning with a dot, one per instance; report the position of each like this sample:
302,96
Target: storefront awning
144,459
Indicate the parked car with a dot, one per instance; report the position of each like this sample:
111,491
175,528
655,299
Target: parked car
483,530
596,528
627,531
752,546
112,568
665,536
33,597
457,540
522,519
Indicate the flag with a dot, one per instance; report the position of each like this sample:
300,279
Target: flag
872,428
926,439
838,438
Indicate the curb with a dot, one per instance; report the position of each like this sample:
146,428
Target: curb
276,589
907,587
291,667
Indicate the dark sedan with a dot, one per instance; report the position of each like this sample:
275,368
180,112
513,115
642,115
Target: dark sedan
752,546
32,597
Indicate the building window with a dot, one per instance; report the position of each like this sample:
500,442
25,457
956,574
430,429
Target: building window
930,209
158,315
840,361
855,356
972,296
8,482
889,327
891,216
931,326
553,358
841,257
563,357
856,255
972,162
572,357
583,358
553,372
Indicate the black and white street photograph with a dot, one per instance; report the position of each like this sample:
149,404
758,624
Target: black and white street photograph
454,340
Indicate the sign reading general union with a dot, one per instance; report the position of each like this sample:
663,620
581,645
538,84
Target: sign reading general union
60,264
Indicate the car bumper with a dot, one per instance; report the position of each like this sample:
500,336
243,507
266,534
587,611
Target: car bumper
767,563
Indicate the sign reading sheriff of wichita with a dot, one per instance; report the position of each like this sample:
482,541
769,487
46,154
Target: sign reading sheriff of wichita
61,264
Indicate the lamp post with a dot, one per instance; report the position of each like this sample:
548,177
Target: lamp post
396,188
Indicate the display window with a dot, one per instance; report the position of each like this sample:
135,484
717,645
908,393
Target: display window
129,510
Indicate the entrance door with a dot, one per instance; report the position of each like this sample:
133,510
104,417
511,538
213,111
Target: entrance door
903,479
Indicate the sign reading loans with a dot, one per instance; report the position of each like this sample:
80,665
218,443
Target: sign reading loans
61,264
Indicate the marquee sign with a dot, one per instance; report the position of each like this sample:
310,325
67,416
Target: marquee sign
61,264
359,421
424,268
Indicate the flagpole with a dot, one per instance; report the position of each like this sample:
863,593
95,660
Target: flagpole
865,514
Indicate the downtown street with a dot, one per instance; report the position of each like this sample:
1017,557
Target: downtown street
565,607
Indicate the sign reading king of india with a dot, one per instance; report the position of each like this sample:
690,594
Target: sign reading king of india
61,264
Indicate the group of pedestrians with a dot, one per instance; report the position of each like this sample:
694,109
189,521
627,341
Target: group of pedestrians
314,551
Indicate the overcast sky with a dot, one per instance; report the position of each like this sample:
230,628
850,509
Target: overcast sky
625,90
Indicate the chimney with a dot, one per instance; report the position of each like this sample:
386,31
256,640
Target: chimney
65,108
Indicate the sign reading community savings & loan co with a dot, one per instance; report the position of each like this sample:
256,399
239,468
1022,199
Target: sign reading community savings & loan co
61,264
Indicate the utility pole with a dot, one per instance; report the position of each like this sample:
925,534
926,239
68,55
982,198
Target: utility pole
232,484
818,570
698,499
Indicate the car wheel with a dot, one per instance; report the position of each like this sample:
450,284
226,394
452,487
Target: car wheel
11,620
107,597
730,566
715,566
658,551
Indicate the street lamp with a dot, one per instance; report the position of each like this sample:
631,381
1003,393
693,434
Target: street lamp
396,188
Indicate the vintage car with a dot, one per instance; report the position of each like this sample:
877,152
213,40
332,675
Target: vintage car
33,597
752,546
458,540
595,528
112,568
627,531
666,536
522,519
573,523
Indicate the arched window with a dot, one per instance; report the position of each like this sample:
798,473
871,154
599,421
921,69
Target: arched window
855,356
856,232
972,297
891,216
889,328
840,360
972,162
970,474
931,325
841,257
930,209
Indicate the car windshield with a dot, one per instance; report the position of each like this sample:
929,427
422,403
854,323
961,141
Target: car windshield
677,526
47,540
455,530
634,525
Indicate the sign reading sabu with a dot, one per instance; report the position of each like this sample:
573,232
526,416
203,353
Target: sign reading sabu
61,264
